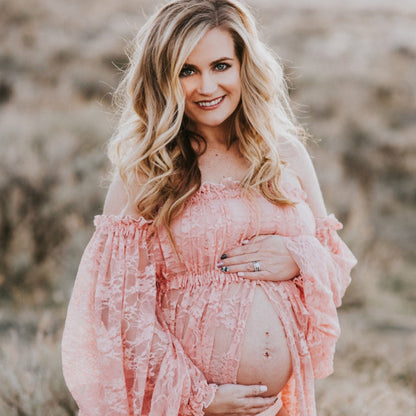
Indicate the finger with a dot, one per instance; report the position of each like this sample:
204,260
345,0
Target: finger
246,258
240,251
242,269
257,402
247,246
254,245
257,239
244,265
262,275
255,411
252,390
254,406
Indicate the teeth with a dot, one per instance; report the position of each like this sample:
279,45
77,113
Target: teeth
209,103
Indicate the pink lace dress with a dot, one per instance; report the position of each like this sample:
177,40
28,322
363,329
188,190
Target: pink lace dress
140,335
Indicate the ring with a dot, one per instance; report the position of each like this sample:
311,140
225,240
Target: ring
256,265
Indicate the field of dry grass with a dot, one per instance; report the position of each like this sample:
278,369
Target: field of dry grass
351,67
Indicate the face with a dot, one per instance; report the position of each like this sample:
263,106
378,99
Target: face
211,81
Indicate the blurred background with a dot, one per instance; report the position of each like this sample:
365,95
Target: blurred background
351,69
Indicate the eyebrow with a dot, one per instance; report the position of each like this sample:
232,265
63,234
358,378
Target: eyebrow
224,58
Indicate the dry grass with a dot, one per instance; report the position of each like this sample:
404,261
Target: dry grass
351,68
375,367
31,381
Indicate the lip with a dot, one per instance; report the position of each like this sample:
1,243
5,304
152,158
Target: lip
210,107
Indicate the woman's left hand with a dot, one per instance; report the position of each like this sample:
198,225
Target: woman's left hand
267,253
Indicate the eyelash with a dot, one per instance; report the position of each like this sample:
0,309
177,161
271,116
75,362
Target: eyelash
183,72
224,66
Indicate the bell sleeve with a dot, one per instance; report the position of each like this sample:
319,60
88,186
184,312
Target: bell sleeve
118,358
325,263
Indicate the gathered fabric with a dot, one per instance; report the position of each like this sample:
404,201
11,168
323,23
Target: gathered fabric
140,334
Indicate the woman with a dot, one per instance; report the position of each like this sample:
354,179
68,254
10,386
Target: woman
211,283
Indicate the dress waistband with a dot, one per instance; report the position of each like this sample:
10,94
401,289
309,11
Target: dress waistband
189,280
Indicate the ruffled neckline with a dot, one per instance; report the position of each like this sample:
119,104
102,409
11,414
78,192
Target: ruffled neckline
228,185
211,188
289,184
123,221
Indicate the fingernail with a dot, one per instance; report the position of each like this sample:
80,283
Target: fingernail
225,269
240,274
263,389
220,264
224,256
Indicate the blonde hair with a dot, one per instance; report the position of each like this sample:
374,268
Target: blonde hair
152,145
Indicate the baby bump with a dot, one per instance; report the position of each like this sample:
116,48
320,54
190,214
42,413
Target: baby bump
264,355
231,332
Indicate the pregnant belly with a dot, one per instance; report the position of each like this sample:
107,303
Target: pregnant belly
265,357
249,350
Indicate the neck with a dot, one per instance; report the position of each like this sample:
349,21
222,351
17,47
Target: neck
219,142
215,137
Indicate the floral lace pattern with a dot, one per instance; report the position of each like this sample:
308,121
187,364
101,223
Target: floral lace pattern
140,332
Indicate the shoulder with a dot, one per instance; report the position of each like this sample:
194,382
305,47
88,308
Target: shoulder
118,200
298,160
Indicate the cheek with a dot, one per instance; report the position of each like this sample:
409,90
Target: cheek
234,82
187,88
187,91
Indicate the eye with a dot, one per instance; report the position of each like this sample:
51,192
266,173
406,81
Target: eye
222,66
186,72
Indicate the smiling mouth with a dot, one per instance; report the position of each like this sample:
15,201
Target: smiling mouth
210,104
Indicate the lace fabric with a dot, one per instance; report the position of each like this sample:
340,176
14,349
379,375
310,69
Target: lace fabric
140,332
118,359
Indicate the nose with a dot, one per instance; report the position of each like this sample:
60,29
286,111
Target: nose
207,84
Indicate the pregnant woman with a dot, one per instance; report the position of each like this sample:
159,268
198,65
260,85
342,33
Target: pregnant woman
211,283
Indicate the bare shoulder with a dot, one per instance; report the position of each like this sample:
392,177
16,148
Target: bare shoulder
294,152
117,201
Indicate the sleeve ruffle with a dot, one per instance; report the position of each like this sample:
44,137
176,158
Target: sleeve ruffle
325,263
118,358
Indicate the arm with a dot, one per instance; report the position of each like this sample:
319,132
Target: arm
336,253
118,359
325,263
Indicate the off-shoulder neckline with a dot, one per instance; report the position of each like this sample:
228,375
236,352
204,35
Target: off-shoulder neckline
119,219
227,183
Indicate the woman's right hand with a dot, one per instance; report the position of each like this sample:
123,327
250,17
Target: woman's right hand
237,400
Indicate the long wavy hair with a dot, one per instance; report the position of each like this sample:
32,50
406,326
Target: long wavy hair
151,148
